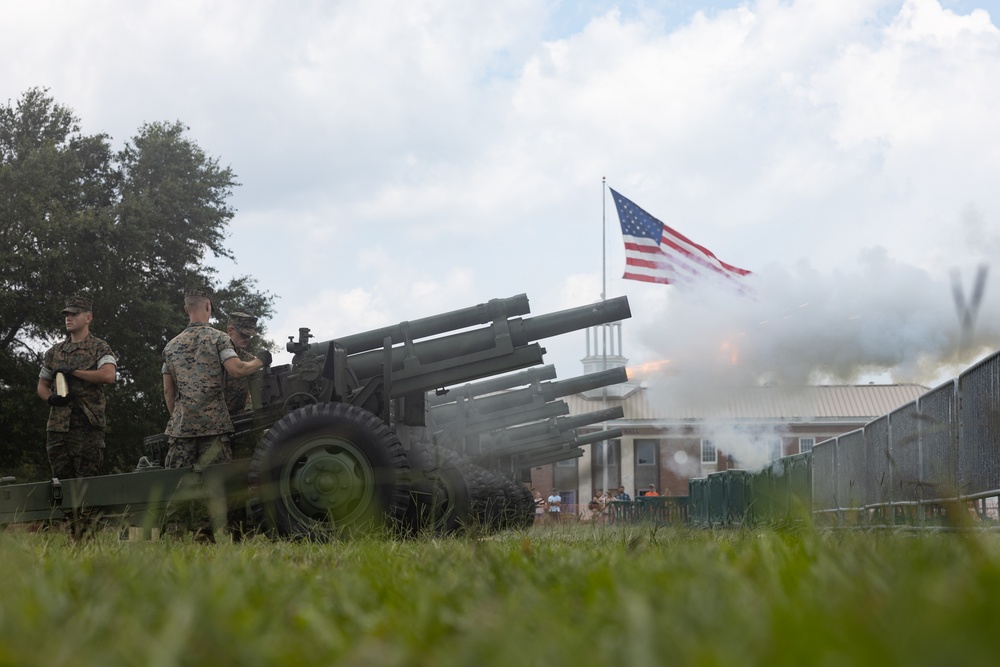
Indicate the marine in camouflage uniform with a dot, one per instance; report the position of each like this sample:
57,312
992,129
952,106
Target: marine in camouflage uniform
75,428
195,363
194,366
241,329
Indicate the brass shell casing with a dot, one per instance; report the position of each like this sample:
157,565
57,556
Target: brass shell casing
62,386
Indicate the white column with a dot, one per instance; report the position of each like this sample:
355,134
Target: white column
585,491
628,465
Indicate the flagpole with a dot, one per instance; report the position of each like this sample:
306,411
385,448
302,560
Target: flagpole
604,238
604,327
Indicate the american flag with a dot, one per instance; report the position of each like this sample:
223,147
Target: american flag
655,253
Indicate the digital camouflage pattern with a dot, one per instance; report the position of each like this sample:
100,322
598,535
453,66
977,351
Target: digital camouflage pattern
196,515
244,323
184,452
200,290
88,404
76,453
195,358
78,304
238,389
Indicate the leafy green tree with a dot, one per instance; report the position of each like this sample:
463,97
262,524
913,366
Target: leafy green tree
131,229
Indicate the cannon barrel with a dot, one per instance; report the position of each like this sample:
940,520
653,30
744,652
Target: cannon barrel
598,436
557,440
519,434
494,309
546,391
493,385
543,439
514,333
553,457
458,432
564,450
575,319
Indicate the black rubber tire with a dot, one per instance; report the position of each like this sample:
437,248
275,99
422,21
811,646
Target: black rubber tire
440,499
509,501
489,502
524,511
329,470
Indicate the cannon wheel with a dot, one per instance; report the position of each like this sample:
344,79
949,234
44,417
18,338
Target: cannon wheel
329,470
440,498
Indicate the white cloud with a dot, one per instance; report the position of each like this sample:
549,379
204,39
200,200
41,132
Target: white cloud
399,159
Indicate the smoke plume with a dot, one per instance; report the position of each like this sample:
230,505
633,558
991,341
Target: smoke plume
882,319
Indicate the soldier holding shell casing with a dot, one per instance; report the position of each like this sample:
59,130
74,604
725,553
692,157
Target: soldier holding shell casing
74,372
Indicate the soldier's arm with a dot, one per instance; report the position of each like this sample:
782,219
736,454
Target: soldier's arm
46,377
44,389
169,392
238,368
103,375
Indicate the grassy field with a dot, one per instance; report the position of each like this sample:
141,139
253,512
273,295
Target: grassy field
566,595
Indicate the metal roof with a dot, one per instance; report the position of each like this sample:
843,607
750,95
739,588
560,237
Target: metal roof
824,403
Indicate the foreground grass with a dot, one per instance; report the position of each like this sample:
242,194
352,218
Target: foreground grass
563,596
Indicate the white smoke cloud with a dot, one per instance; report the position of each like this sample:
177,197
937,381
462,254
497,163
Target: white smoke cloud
804,326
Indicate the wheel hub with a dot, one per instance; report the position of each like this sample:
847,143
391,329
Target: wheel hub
328,481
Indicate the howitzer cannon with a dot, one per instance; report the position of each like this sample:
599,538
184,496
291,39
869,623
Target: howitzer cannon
462,423
479,414
332,433
523,439
318,465
491,428
475,419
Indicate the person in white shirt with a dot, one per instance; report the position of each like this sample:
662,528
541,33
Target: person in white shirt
554,501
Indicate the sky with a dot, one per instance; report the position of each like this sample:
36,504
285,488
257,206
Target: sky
401,159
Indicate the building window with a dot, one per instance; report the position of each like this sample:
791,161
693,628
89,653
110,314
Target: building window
647,464
606,475
774,449
645,452
567,463
708,453
806,444
613,447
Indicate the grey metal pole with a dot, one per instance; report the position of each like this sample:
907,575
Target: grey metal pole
604,327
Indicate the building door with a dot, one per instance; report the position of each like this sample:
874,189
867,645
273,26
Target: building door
566,479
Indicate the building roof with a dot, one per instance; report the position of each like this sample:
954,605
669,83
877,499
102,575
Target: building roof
817,404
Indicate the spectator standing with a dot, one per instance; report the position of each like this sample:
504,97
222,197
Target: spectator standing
539,506
622,495
652,491
554,502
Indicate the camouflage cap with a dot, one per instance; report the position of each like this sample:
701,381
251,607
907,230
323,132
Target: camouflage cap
78,304
199,291
244,323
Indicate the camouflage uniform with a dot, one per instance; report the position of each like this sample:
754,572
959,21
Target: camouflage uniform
199,428
238,389
75,441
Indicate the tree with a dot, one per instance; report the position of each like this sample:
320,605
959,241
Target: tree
132,230
52,179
